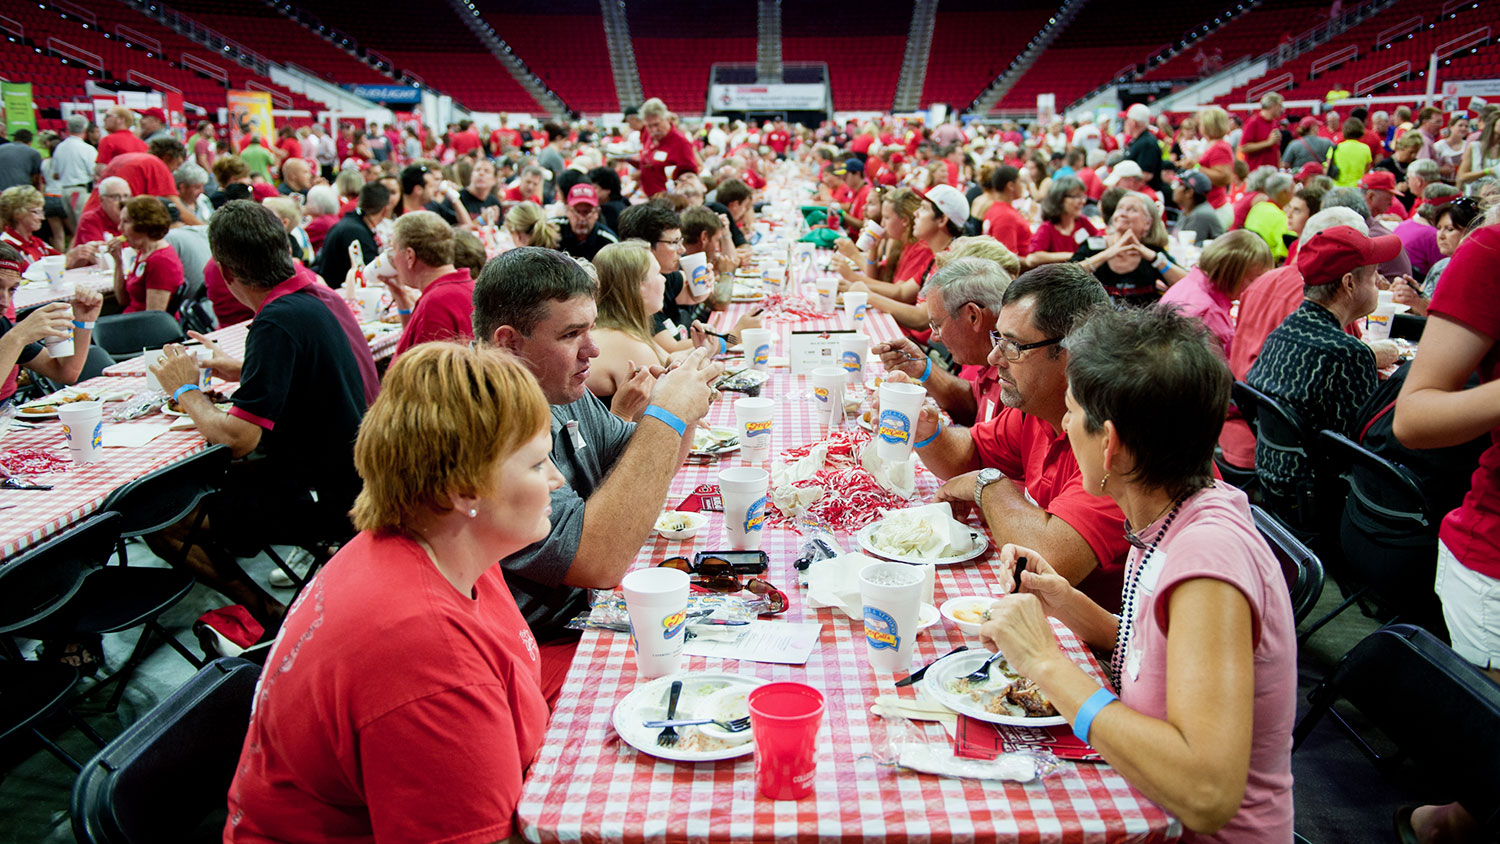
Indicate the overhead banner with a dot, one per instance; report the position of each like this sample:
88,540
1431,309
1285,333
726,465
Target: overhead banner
20,112
250,114
769,97
387,93
1487,88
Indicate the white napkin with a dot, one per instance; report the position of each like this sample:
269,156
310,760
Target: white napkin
948,537
794,500
899,478
835,583
129,436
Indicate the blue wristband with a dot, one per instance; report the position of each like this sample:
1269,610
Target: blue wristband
403,313
83,326
926,372
723,346
928,441
185,388
666,416
1101,698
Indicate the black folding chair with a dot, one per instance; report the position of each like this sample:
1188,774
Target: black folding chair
1438,710
125,335
1278,428
165,777
79,596
93,367
166,496
1300,566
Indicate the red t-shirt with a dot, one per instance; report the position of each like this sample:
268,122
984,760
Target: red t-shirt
856,207
290,146
425,738
1258,129
161,270
1375,143
144,172
1048,239
504,137
95,225
118,142
462,142
445,311
1218,154
513,194
952,172
1470,296
1027,450
1005,224
778,140
1091,182
986,386
916,260
317,229
674,150
754,180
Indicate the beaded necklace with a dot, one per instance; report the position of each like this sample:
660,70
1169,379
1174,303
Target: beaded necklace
1127,610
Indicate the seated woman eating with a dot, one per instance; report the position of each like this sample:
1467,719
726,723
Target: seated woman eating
426,734
1204,652
1131,259
157,271
624,372
1063,224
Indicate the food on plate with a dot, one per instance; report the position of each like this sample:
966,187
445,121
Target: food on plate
213,396
1019,697
973,615
928,532
42,410
673,521
704,439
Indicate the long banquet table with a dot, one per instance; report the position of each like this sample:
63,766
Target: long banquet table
589,786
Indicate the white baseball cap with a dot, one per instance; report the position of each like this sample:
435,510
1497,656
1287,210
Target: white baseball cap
951,201
1139,112
1124,170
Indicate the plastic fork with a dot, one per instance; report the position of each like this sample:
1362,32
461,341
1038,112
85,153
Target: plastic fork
983,674
668,736
738,725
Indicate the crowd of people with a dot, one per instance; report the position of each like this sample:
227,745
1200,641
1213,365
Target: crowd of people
553,360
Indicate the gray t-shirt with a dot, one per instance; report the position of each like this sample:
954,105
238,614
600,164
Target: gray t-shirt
18,164
1304,150
552,160
535,573
1203,220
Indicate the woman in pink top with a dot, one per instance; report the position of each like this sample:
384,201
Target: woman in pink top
1205,649
1224,270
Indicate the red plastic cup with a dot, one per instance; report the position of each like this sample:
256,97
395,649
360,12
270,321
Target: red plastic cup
784,719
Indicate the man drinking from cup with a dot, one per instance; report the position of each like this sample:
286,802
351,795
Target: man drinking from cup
539,304
1017,468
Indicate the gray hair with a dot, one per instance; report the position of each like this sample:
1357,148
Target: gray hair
1425,169
653,107
1270,100
535,170
1277,184
321,200
1256,181
1330,217
113,182
189,173
1347,197
966,280
1379,115
77,124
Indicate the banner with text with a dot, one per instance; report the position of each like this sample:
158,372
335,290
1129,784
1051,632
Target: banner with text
387,93
769,97
20,113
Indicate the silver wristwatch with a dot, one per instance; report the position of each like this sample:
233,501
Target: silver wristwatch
984,479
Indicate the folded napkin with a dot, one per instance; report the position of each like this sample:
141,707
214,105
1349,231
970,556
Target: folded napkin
928,532
129,436
835,583
899,478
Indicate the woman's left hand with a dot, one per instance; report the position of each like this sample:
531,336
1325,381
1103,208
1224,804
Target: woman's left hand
1018,628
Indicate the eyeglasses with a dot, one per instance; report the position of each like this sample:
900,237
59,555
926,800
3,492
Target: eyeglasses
1011,350
118,197
672,243
937,325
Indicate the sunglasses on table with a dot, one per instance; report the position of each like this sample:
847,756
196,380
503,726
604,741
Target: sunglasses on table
716,574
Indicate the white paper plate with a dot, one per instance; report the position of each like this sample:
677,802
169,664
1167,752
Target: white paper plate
648,702
22,414
927,616
719,435
981,545
935,684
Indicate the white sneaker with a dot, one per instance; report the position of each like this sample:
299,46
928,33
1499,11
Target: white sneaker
298,560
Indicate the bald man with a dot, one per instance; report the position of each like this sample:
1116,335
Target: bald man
296,177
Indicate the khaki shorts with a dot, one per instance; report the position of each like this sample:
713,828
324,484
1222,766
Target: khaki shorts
1471,609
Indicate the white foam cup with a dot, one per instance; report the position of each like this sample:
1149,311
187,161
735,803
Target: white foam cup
892,597
828,294
896,429
854,350
867,236
656,600
757,345
1378,323
696,274
53,266
83,427
856,308
828,392
60,347
753,417
743,490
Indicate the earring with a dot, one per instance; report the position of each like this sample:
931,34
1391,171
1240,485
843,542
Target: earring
1102,481
473,512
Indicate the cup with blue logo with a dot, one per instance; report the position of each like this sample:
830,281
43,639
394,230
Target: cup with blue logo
83,428
853,350
656,600
892,597
856,308
828,395
743,490
757,345
753,417
896,429
828,294
696,273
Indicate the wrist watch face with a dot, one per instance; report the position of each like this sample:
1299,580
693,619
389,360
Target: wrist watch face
985,478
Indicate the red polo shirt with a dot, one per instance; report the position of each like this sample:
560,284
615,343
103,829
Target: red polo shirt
1039,459
145,173
462,142
513,194
1007,225
95,225
445,311
118,142
986,384
673,150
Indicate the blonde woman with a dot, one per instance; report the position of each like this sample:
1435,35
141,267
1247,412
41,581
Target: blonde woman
887,260
1226,268
379,743
21,212
528,225
1217,160
1481,158
1132,258
290,215
629,277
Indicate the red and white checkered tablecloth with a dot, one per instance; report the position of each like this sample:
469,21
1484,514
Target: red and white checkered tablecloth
231,341
31,294
588,786
35,515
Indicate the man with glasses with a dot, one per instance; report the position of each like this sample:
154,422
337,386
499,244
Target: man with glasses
963,300
103,220
661,228
1017,468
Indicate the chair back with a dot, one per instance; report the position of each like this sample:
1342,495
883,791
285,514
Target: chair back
1278,428
1408,327
41,580
1438,709
168,772
93,367
163,497
1380,488
1299,565
125,335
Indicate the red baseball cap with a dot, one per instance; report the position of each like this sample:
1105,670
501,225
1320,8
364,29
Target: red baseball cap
1310,169
1342,249
154,112
1379,180
583,193
263,191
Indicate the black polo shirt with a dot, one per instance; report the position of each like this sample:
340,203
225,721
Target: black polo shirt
587,248
302,386
333,258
